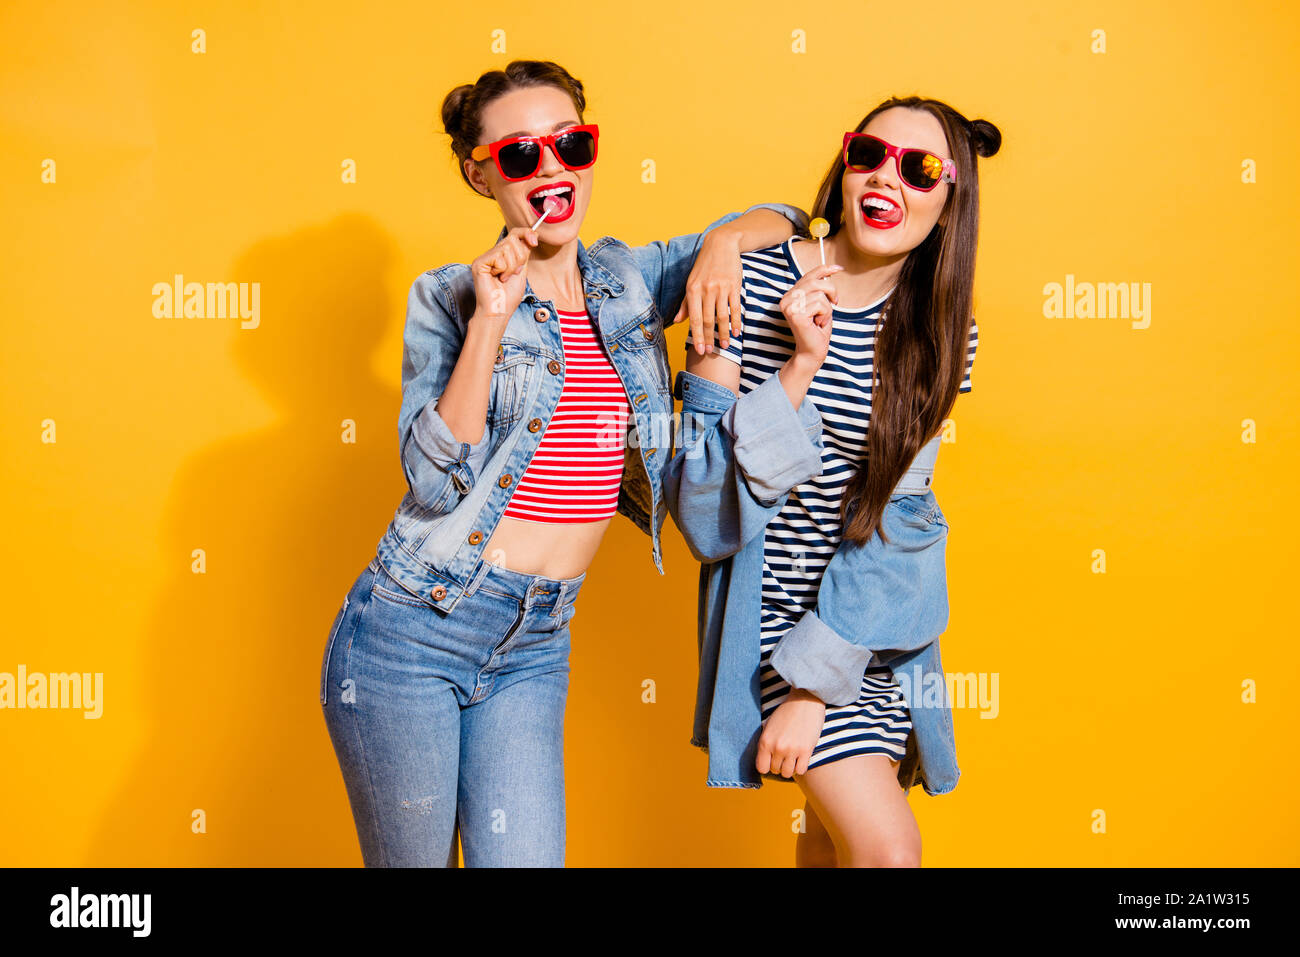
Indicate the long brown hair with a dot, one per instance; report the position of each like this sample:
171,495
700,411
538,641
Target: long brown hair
920,352
462,108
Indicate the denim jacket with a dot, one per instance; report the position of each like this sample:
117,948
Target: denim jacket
738,461
457,491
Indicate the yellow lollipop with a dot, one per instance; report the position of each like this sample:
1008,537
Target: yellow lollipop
819,228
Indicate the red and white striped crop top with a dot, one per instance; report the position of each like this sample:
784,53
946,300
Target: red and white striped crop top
575,474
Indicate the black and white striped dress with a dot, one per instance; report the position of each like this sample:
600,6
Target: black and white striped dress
801,539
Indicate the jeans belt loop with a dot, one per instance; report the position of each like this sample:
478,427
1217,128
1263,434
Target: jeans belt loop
479,574
559,600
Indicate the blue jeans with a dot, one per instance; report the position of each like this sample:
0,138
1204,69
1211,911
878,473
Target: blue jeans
452,722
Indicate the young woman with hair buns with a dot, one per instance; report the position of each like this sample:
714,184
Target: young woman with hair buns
535,404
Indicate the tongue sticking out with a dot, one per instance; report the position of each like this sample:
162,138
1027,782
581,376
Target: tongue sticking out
891,215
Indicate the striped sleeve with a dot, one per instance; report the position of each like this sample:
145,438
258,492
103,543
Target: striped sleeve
970,356
735,350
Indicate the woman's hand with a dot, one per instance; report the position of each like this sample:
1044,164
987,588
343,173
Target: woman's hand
807,308
790,734
499,276
712,299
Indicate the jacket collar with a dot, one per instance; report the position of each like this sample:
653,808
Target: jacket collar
593,273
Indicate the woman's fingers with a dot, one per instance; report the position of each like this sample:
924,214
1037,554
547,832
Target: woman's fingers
763,763
822,271
709,304
808,306
510,255
737,312
823,286
701,325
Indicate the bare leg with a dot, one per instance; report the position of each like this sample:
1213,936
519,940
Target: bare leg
864,811
814,847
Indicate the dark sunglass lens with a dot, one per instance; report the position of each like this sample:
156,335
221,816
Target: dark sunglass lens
920,169
519,159
865,154
577,148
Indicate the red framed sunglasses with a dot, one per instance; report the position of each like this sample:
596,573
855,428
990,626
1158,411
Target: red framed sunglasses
520,157
919,169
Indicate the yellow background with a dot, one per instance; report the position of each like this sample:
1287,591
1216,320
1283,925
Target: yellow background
1119,692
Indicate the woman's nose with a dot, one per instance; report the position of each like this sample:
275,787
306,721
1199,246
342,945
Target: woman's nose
886,175
551,166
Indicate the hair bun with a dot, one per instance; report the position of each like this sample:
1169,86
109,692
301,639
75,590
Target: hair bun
985,137
453,109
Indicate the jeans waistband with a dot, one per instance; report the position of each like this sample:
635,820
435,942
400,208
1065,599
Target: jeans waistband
535,591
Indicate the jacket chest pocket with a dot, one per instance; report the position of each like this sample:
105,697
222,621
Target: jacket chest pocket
644,341
512,375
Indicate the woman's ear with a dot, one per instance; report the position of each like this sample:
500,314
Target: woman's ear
476,178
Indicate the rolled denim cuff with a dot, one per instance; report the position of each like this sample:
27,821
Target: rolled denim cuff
460,460
699,394
813,656
776,447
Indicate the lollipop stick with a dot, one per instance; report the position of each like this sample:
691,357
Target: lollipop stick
821,245
539,220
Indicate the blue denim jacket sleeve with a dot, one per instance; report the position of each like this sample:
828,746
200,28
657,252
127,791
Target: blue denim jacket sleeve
666,266
868,601
737,462
439,468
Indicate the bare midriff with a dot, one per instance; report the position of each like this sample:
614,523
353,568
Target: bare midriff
553,549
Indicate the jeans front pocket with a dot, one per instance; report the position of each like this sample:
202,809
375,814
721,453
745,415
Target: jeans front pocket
387,588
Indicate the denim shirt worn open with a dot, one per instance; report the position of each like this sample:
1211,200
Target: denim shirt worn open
457,491
738,460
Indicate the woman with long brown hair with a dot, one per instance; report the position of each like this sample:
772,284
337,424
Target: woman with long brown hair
803,485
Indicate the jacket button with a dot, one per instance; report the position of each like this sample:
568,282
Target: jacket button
475,537
504,480
541,315
501,354
646,330
534,425
553,367
438,594
613,347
